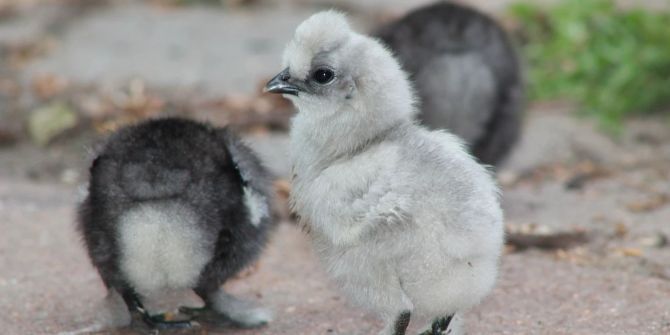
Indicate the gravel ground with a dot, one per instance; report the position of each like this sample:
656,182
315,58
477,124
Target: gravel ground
617,283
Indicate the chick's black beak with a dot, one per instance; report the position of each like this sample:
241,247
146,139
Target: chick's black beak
280,84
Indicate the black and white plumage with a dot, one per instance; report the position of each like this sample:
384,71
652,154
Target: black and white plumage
403,218
466,72
176,204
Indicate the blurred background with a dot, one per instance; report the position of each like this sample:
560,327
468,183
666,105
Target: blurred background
586,189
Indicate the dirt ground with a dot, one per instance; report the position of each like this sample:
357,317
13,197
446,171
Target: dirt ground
565,176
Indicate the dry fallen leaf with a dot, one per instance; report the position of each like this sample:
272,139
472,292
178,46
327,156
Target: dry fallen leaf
48,85
620,230
507,178
20,54
654,202
109,126
577,255
93,107
630,252
251,112
585,172
138,102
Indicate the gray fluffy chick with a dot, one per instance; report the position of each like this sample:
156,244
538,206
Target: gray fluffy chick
176,204
404,219
466,73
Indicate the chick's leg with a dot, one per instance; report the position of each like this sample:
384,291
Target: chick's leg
397,320
401,323
397,325
223,309
139,313
440,326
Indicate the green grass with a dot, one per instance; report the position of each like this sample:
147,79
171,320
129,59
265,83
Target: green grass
611,62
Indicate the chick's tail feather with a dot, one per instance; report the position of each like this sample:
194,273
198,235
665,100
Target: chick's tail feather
149,180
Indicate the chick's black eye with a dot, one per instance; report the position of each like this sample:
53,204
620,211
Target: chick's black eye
323,76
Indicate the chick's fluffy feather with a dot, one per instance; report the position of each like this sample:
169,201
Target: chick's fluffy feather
403,218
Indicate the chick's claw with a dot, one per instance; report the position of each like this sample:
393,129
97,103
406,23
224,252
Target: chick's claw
435,329
192,311
167,321
207,315
440,326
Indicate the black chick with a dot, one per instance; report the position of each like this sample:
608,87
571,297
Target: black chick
466,72
176,204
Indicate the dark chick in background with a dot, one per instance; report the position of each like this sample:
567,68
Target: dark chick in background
175,204
466,73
